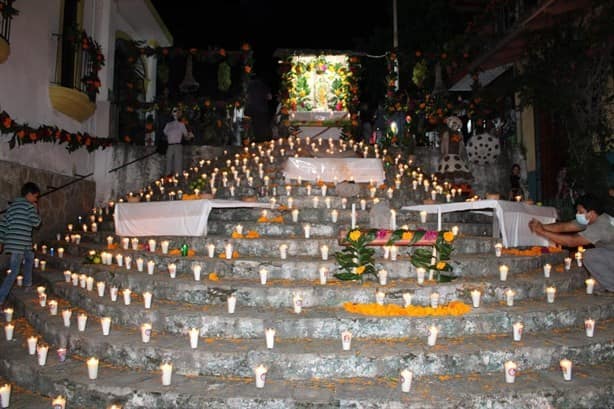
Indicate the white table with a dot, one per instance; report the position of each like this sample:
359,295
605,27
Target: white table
512,217
170,218
335,169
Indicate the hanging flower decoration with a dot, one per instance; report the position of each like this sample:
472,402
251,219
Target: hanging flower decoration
86,43
7,10
24,134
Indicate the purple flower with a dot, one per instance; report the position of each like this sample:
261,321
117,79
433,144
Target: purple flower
430,235
381,234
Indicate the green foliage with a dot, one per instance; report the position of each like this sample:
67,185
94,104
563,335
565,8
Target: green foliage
223,76
356,259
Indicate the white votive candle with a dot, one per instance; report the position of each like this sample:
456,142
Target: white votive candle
164,246
134,242
498,249
380,296
517,329
353,215
231,302
550,294
263,275
407,299
432,335
567,263
509,297
406,379
297,303
475,298
151,265
119,259
139,264
194,333
590,285
125,243
283,251
382,276
307,229
196,270
146,332
589,327
167,372
324,251
147,299
260,375
5,395
423,215
228,251
510,371
105,323
269,334
323,275
547,269
81,322
127,293
9,330
566,369
434,298
42,351
113,292
172,270
66,314
420,272
53,307
32,340
334,215
503,270
8,314
92,368
346,340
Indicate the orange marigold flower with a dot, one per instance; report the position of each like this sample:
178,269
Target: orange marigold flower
213,277
252,234
360,269
448,236
263,219
454,308
236,235
441,265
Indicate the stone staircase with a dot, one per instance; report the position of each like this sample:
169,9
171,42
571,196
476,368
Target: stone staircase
307,368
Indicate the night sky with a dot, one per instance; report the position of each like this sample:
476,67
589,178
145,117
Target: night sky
271,24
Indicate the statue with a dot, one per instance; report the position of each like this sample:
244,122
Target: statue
451,164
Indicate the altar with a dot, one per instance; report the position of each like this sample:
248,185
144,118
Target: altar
512,218
359,170
170,218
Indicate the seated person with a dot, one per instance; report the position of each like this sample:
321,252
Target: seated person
591,226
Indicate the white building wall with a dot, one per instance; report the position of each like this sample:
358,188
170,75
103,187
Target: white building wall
26,75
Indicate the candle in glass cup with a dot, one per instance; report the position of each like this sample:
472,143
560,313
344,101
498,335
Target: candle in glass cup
590,285
550,294
139,264
380,296
5,395
547,269
327,202
53,307
134,242
498,249
105,323
9,330
324,251
125,243
567,263
127,293
260,376
510,371
432,335
8,314
316,202
42,351
455,230
406,379
434,298
509,297
578,257
164,246
146,332
172,270
167,372
151,265
269,335
475,298
283,251
334,215
66,314
81,322
503,270
407,299
100,287
420,272
589,327
152,245
382,276
297,303
58,403
113,292
32,341
89,283
119,259
346,340
263,275
566,369
92,368
147,299
194,333
517,329
363,204
43,265
307,230
231,302
228,251
394,251
323,275
423,215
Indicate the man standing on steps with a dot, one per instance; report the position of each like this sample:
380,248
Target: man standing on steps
591,227
16,236
175,131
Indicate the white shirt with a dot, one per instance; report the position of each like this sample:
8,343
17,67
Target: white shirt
174,131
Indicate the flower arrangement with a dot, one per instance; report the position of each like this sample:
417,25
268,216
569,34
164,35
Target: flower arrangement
7,10
356,259
454,308
434,258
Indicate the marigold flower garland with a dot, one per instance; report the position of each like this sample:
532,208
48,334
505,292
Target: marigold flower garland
454,308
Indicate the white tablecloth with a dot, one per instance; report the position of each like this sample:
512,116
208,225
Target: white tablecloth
335,169
513,218
170,218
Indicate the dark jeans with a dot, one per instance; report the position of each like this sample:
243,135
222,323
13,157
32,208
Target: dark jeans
16,260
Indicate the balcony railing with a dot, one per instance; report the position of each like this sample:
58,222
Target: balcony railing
78,61
6,16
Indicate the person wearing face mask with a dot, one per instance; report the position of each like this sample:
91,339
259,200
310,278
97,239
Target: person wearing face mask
175,131
591,227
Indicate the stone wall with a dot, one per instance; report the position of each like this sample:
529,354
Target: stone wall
58,208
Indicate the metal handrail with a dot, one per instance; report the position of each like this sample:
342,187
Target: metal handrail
55,189
132,161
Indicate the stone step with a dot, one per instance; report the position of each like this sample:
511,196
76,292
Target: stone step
268,246
328,322
318,358
279,292
137,389
302,267
23,398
